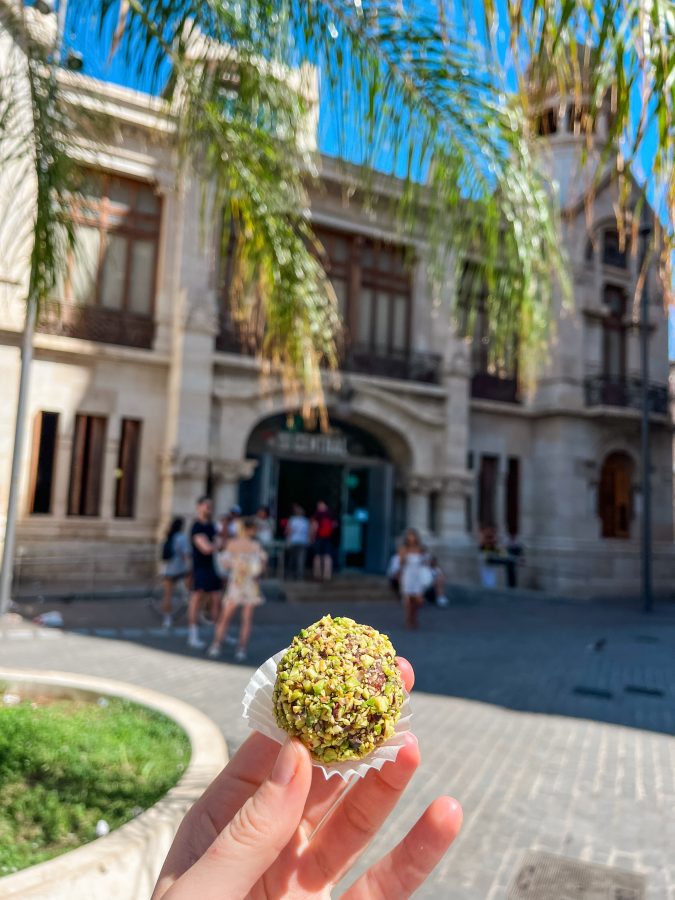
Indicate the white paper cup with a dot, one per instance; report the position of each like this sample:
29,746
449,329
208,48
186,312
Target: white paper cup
259,715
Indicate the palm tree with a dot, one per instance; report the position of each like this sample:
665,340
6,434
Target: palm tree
422,81
618,55
34,155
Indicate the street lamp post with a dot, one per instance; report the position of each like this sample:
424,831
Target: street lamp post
646,541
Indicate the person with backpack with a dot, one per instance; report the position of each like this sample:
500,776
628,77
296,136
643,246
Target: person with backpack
323,528
176,566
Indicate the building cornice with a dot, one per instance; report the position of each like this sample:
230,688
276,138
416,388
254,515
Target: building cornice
69,349
121,103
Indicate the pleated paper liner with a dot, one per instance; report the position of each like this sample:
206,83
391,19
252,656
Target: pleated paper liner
259,715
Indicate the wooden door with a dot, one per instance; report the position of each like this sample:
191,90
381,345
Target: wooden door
614,499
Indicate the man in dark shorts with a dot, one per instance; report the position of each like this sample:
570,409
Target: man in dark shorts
206,583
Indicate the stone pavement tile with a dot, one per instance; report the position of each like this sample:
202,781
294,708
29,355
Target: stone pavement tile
498,723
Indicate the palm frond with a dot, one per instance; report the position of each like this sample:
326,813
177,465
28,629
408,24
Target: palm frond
35,145
619,56
401,81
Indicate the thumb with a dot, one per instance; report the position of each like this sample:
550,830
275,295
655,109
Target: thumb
255,837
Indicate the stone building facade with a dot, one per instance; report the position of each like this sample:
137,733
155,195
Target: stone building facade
142,399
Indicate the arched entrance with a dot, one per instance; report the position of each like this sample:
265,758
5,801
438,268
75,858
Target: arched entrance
614,495
347,467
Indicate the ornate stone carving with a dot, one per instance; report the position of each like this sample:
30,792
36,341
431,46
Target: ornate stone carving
175,464
424,484
453,484
460,361
201,316
458,483
233,470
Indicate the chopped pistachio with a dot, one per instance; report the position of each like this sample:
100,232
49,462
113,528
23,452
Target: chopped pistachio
339,689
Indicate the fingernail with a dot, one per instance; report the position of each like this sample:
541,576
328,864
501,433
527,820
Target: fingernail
411,739
286,765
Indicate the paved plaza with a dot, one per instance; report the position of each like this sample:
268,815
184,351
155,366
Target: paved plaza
552,722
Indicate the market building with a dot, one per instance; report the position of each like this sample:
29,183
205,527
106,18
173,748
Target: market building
143,396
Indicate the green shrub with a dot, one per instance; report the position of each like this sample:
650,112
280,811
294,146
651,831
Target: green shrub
68,764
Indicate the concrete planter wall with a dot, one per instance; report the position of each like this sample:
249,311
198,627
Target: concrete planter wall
123,865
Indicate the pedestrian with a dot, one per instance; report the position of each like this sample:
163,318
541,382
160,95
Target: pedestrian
323,528
435,593
176,556
415,576
490,554
264,527
233,522
297,540
207,586
394,573
514,558
244,560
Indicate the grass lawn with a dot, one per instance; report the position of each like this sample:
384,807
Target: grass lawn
66,764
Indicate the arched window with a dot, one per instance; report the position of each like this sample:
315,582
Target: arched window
613,253
614,496
546,123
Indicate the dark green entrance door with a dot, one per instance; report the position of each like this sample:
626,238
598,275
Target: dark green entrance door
306,483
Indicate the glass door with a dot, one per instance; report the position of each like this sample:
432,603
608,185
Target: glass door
355,517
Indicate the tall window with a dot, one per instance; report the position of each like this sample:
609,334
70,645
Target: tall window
494,366
45,428
487,491
374,290
114,261
512,490
337,260
614,496
546,123
127,468
612,252
86,469
614,333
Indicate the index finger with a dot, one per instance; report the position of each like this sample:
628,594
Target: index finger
325,792
407,672
224,797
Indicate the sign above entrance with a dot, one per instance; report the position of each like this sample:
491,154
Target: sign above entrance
311,444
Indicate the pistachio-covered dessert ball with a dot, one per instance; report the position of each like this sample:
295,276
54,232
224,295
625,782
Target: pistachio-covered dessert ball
338,689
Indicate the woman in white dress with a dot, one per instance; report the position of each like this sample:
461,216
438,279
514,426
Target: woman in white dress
414,576
245,561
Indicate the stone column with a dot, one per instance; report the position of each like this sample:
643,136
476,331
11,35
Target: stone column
61,479
452,520
417,487
190,307
458,479
227,473
184,477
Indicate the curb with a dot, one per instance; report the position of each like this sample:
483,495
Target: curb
125,864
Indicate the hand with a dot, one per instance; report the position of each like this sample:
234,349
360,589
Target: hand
259,829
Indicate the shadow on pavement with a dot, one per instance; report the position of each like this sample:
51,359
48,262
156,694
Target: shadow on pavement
598,660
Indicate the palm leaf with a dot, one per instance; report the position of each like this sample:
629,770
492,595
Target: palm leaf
620,53
404,80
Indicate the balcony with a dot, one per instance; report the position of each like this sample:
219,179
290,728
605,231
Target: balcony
230,339
485,386
625,392
96,323
407,366
362,360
